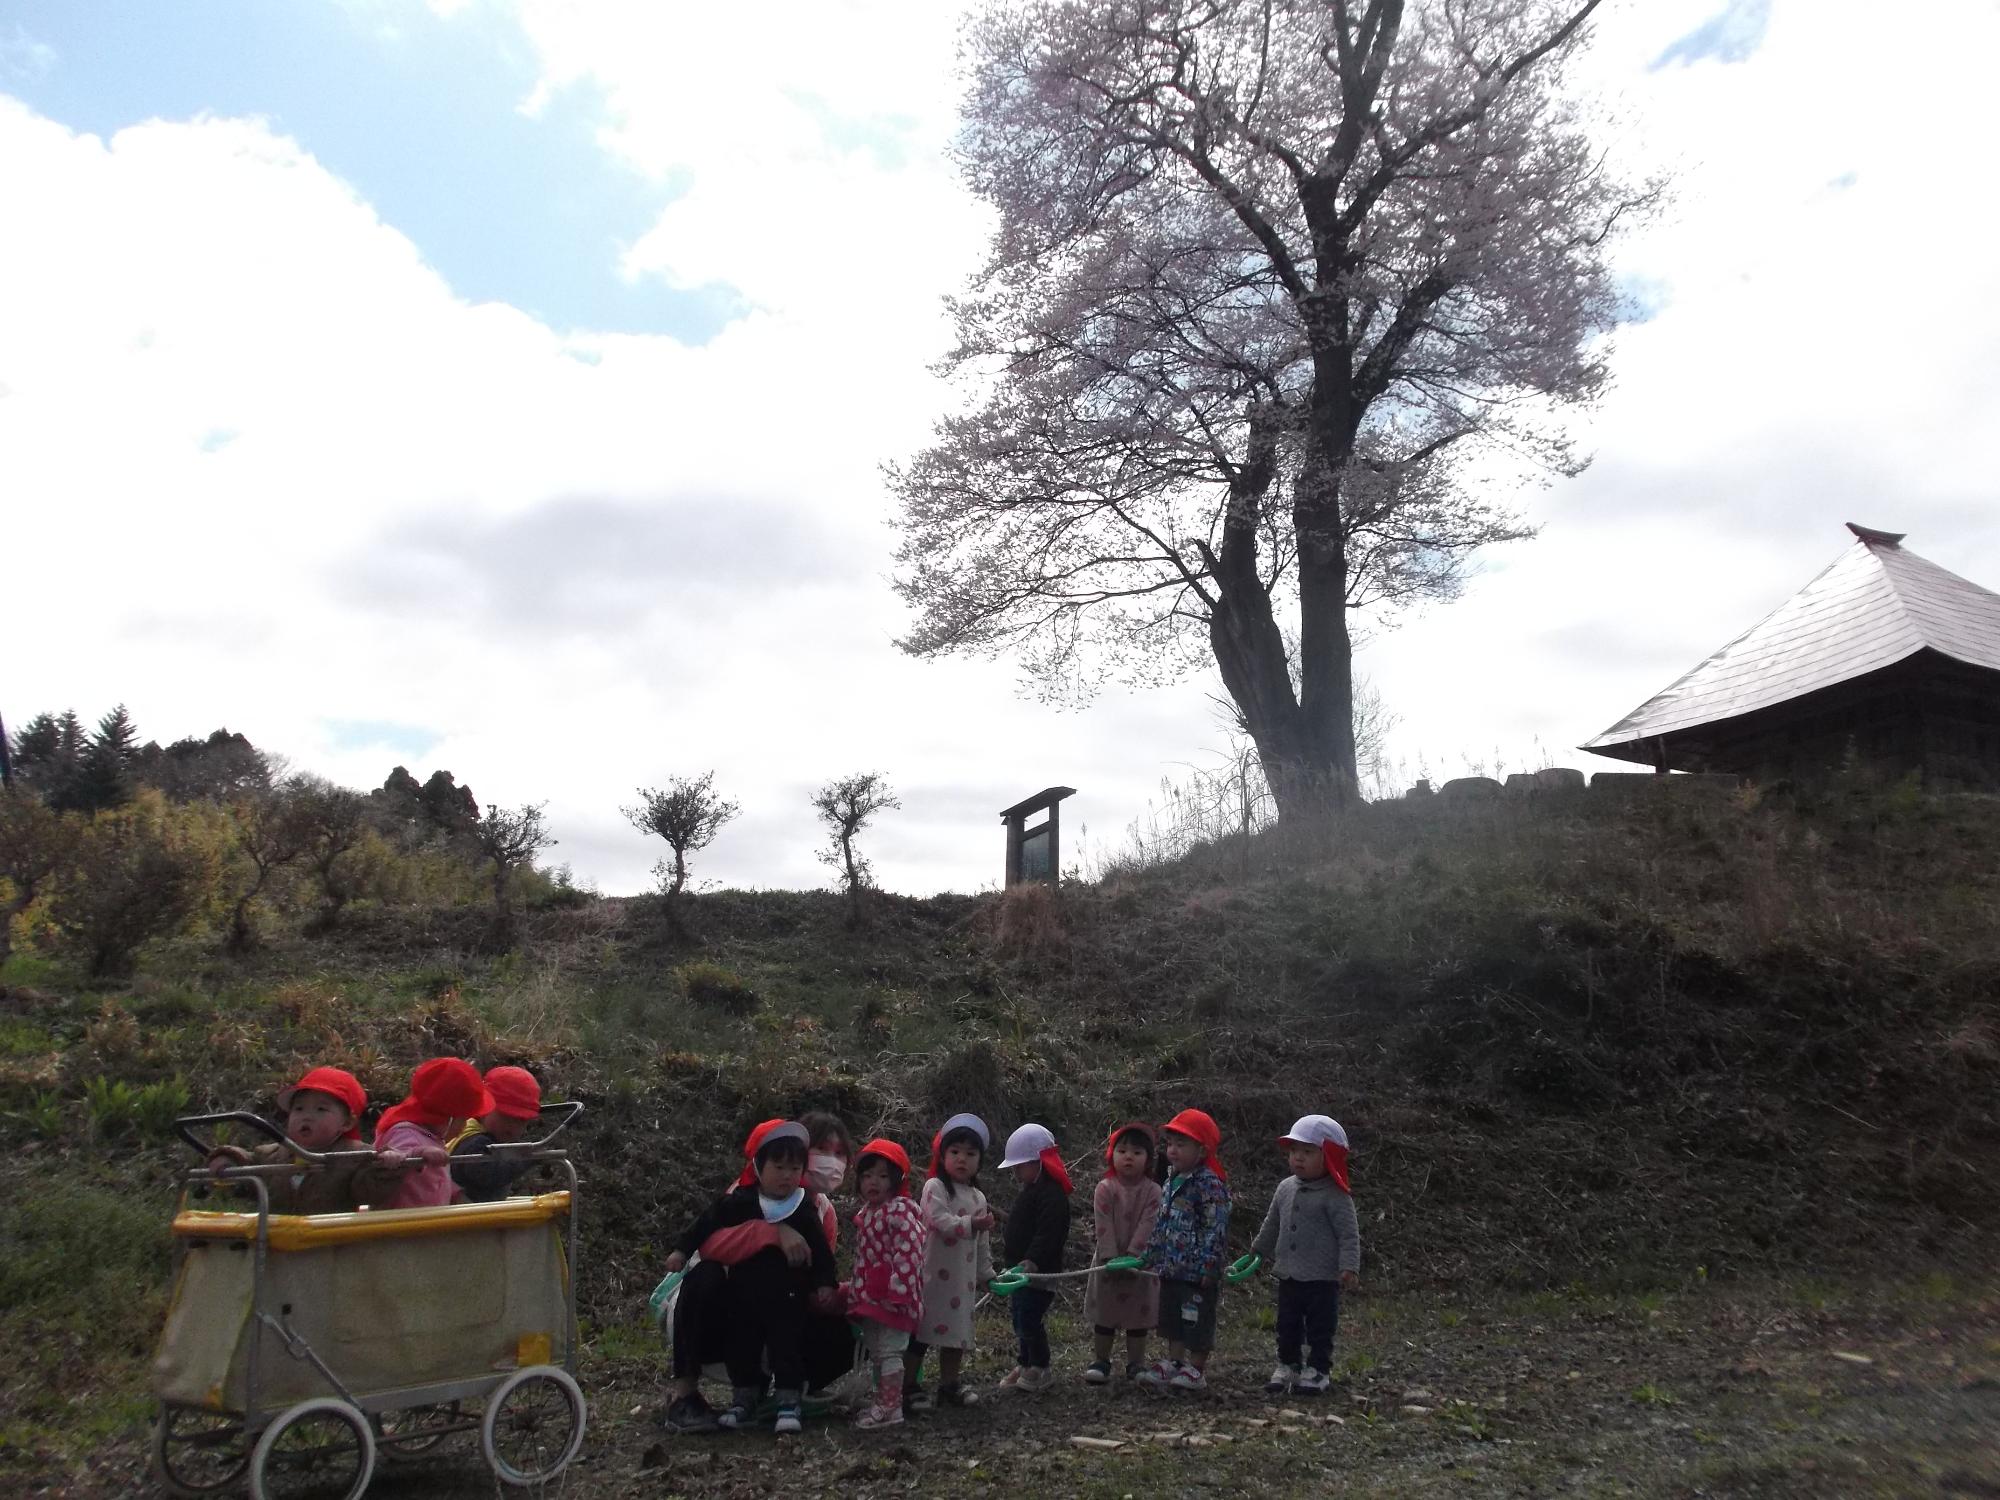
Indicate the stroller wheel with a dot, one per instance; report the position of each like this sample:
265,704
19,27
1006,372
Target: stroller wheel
199,1452
533,1425
321,1449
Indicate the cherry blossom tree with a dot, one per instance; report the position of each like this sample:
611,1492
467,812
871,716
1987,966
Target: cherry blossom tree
1279,291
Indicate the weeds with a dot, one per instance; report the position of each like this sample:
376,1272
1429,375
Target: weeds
717,988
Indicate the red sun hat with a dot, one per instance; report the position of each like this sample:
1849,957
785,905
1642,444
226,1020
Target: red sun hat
515,1093
335,1083
1324,1132
890,1152
1202,1130
441,1090
750,1144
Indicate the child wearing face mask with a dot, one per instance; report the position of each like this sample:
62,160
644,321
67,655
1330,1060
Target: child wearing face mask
826,1165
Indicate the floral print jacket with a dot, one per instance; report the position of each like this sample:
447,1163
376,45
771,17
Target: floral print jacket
1191,1229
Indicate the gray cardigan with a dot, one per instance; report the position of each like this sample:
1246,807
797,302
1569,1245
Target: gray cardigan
1310,1233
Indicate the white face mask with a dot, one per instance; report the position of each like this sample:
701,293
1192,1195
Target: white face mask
826,1171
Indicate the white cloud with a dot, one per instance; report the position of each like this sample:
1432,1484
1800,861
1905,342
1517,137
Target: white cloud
263,467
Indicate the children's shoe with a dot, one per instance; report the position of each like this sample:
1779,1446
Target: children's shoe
689,1414
1135,1372
1311,1383
1036,1379
788,1419
1281,1380
1188,1378
1098,1373
1159,1373
916,1399
733,1417
886,1410
955,1395
1012,1378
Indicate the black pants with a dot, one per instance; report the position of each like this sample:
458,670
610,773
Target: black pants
767,1316
1030,1309
1308,1313
701,1319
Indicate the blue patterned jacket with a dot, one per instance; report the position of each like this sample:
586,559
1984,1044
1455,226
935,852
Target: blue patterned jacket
1191,1229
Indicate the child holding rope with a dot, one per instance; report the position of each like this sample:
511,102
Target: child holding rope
1313,1242
1033,1242
958,1256
1185,1250
1123,1208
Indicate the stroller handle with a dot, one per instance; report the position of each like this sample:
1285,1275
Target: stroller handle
187,1125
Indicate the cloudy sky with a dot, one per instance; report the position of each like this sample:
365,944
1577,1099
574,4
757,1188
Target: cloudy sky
502,385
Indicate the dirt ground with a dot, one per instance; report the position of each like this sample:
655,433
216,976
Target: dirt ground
1793,1390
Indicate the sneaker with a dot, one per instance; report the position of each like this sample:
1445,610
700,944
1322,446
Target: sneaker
1135,1372
1281,1380
1188,1378
915,1399
788,1420
733,1417
1160,1372
880,1415
1098,1373
1311,1383
955,1395
689,1414
1012,1378
1034,1380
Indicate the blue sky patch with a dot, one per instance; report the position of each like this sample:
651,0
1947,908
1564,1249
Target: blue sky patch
422,118
408,740
1732,35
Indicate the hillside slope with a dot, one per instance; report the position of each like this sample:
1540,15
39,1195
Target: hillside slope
1575,1041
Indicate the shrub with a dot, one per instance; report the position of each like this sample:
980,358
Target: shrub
112,1105
716,987
156,1106
134,875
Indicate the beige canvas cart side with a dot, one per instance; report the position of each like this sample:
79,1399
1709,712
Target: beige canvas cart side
298,1347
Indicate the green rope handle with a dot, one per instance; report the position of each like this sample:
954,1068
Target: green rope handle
1124,1263
1008,1282
1244,1268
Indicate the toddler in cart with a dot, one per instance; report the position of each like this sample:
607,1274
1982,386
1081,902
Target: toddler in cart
322,1113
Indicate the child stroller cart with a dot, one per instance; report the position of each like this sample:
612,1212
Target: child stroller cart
298,1348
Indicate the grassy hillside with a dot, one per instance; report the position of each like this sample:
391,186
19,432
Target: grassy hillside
1583,1044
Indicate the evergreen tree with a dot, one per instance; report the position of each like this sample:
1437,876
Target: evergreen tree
104,776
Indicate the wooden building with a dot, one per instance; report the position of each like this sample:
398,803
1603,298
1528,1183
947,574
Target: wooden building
1884,661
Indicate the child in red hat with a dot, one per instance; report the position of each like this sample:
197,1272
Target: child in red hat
885,1291
1312,1240
444,1093
767,1298
517,1105
322,1113
1123,1208
1186,1248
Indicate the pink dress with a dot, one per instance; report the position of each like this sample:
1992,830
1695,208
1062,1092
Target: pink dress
1123,1215
958,1262
887,1283
417,1187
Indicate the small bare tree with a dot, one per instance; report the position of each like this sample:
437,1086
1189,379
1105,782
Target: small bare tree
688,814
509,838
333,819
845,806
271,833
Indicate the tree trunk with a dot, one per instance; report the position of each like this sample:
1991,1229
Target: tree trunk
1305,745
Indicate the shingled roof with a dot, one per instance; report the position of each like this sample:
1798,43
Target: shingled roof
1876,605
